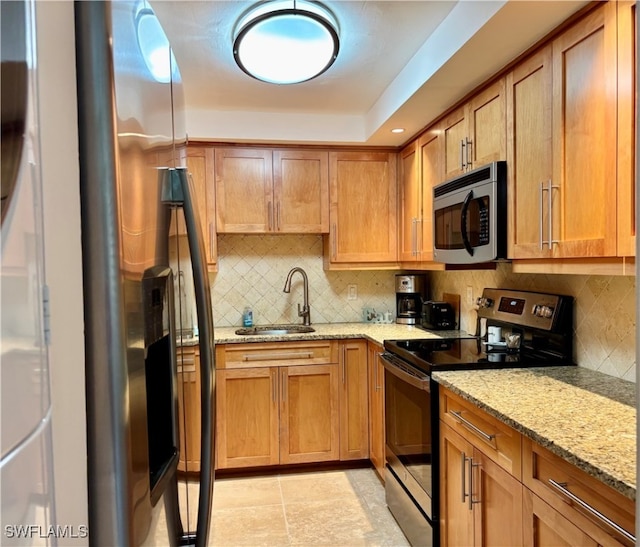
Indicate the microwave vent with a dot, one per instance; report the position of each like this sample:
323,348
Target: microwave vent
480,175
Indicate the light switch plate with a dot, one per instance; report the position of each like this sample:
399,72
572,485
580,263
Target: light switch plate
352,292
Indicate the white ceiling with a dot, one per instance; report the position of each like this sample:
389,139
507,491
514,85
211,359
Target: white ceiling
401,63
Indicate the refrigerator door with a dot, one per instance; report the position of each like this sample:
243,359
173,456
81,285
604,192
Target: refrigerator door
26,480
126,123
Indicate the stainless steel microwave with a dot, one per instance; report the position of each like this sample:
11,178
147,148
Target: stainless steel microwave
470,216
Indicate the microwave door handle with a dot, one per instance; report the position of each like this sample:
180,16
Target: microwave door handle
463,222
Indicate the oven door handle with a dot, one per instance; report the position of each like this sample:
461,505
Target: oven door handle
420,383
463,222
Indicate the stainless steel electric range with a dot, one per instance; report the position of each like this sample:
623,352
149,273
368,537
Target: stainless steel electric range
514,329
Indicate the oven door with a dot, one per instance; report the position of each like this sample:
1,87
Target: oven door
465,226
409,430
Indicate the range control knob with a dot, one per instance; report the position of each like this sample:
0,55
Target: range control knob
482,302
542,311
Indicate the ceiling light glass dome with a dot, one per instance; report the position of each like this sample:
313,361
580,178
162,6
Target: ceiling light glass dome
286,41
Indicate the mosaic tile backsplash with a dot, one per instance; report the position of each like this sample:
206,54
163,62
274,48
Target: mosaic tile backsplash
252,270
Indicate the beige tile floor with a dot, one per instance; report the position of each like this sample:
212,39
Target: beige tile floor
336,508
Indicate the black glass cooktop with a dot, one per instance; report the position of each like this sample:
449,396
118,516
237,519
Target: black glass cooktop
468,353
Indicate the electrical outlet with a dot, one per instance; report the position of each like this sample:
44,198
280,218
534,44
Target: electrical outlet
469,294
352,292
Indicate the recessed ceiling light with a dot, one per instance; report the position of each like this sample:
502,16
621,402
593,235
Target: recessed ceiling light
286,41
398,130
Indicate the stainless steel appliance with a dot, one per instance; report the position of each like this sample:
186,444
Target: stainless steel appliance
537,330
409,296
133,188
470,216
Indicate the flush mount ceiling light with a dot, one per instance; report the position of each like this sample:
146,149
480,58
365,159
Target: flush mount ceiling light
286,41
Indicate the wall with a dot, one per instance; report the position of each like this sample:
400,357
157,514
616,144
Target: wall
252,270
604,313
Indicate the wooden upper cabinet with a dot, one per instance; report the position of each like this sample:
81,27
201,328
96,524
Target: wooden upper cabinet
301,191
529,154
244,183
362,210
583,190
475,133
409,211
200,162
626,128
272,191
431,173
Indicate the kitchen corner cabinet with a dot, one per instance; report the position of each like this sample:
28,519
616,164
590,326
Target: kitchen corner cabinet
200,164
481,496
189,417
272,191
570,165
420,170
362,213
354,400
475,133
276,403
376,408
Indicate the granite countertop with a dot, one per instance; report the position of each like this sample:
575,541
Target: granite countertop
376,332
585,417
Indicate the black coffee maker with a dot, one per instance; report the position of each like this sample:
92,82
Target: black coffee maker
410,292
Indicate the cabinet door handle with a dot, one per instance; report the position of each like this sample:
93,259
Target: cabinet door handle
274,386
376,368
284,386
278,216
462,163
597,515
542,191
277,356
469,147
212,237
334,241
463,477
486,436
414,236
270,215
344,365
551,240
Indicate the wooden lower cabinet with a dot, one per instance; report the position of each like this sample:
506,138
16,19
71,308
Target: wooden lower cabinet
189,409
354,400
277,415
480,502
376,409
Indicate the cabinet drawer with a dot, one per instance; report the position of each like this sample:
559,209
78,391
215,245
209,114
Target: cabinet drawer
581,498
498,441
275,354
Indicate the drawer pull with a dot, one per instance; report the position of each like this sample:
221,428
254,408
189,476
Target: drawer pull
472,427
562,488
276,356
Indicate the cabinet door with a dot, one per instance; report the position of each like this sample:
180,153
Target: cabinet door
376,409
529,155
456,514
584,136
363,206
431,169
189,410
454,142
200,163
487,126
244,190
544,526
247,417
354,401
301,191
497,504
309,418
626,128
409,213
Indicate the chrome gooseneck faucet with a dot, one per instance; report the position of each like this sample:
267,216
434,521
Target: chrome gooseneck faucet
305,311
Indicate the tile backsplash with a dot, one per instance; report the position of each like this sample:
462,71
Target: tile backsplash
604,313
252,270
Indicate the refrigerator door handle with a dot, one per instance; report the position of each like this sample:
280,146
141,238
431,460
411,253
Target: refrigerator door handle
207,366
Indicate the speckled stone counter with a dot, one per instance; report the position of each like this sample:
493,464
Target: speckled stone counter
585,417
377,332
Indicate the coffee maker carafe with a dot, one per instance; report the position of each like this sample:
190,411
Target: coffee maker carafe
409,297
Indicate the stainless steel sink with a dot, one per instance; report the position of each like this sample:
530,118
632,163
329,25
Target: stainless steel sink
274,329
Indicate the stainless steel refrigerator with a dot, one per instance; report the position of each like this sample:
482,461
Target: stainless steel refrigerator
135,193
